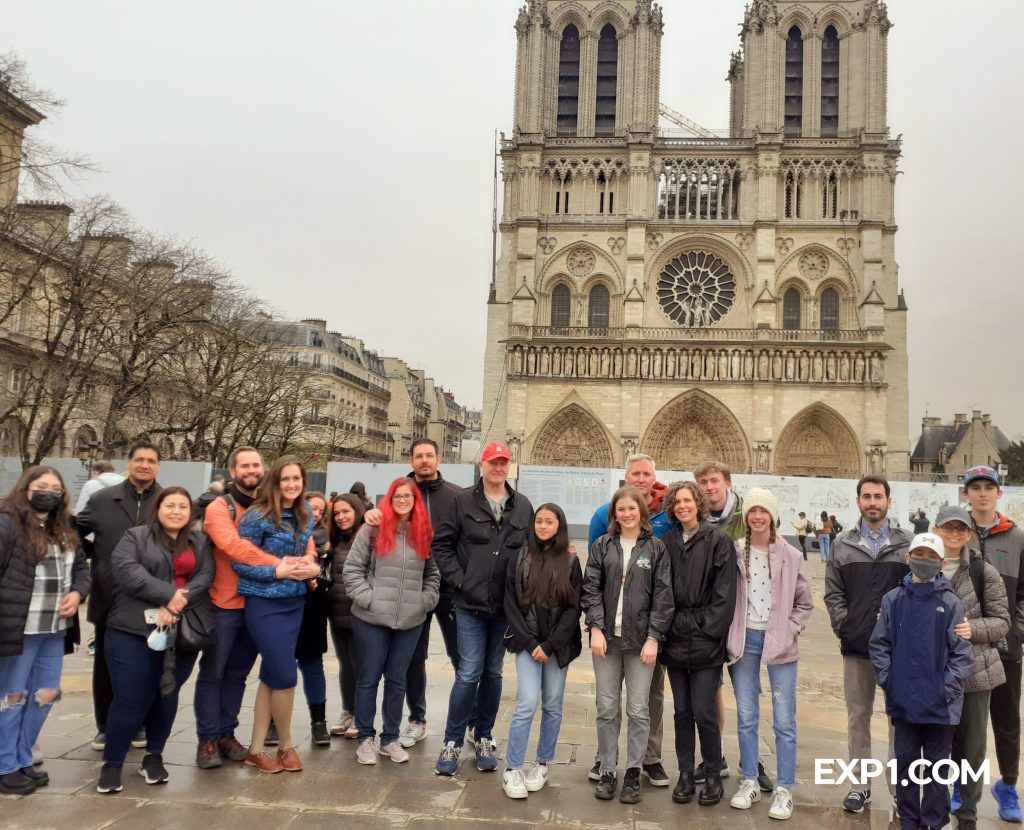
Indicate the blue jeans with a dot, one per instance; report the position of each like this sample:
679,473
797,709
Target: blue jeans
223,671
37,667
536,682
478,678
135,672
746,681
314,681
824,546
382,652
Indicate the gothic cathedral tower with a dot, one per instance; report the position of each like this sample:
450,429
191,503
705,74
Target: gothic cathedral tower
732,297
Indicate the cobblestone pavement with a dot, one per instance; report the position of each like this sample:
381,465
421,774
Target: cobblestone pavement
336,792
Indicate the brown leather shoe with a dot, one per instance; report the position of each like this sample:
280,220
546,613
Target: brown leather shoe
263,761
289,760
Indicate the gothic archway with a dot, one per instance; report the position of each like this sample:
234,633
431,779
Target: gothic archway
572,438
818,442
695,428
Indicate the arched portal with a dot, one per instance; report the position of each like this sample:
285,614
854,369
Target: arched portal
695,428
572,437
818,442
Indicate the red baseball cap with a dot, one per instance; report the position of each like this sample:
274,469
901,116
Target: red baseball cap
495,450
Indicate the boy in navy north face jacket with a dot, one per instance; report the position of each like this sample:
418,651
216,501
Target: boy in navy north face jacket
922,664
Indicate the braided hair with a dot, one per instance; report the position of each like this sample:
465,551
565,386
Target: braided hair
746,551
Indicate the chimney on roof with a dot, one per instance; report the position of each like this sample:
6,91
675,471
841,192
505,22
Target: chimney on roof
48,220
931,422
316,323
107,250
959,419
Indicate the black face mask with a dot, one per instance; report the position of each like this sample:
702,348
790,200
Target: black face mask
44,502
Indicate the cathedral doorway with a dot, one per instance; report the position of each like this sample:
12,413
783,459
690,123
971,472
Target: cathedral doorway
818,442
695,428
572,437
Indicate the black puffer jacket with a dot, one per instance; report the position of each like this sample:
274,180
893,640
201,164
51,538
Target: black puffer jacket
340,606
556,630
438,495
647,608
107,515
704,592
472,549
17,578
144,578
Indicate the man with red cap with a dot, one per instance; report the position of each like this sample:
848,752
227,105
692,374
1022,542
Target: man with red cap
484,526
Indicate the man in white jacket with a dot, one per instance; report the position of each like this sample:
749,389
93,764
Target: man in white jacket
103,476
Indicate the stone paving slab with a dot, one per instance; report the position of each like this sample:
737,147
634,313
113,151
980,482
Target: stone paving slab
336,792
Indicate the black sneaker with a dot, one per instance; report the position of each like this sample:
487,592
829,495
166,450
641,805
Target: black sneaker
16,783
319,734
99,743
856,801
630,793
110,779
139,741
605,789
656,775
36,776
966,824
153,770
271,739
764,781
698,775
595,772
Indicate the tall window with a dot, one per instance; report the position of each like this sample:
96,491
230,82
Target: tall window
569,82
560,306
791,309
597,307
794,83
830,83
607,81
829,310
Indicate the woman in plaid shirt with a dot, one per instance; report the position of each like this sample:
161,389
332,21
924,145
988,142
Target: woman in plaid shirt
43,580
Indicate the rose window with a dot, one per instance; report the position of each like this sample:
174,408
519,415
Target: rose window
696,289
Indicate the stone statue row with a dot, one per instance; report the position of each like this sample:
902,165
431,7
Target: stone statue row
704,364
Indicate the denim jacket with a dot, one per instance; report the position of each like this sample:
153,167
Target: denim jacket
261,580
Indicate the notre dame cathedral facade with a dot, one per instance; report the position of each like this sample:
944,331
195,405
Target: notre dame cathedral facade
729,296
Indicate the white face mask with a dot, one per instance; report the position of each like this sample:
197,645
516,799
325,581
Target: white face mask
157,639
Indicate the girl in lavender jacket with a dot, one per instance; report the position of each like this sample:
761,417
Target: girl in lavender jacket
773,602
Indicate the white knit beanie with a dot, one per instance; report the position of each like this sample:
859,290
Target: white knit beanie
760,497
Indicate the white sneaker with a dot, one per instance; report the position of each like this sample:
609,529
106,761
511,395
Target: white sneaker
412,733
394,751
366,752
537,777
514,784
782,804
747,794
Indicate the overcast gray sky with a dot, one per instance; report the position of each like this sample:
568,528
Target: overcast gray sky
337,157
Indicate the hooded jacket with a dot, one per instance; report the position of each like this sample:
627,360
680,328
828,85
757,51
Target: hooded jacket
660,520
791,606
393,591
472,548
437,495
1003,548
647,607
704,595
855,584
734,524
94,485
989,619
556,630
920,662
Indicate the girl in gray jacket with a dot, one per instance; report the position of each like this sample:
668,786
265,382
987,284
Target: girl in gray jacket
392,582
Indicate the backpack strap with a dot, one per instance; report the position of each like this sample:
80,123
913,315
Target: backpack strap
977,572
232,505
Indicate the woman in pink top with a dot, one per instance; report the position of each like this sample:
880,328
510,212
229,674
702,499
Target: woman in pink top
773,602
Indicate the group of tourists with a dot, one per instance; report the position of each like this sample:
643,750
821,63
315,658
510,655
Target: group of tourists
679,580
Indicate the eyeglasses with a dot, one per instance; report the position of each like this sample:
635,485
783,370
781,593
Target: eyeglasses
56,492
402,496
959,529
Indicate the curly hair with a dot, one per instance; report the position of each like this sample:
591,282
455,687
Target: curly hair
669,500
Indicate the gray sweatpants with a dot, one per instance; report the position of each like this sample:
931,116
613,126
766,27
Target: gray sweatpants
609,673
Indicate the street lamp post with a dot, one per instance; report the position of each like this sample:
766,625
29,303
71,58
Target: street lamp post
88,452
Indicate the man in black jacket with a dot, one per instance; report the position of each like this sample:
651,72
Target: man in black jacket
868,561
485,525
107,515
438,495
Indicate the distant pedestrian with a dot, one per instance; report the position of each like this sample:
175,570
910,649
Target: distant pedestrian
802,528
359,490
920,522
825,536
102,475
43,579
542,604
